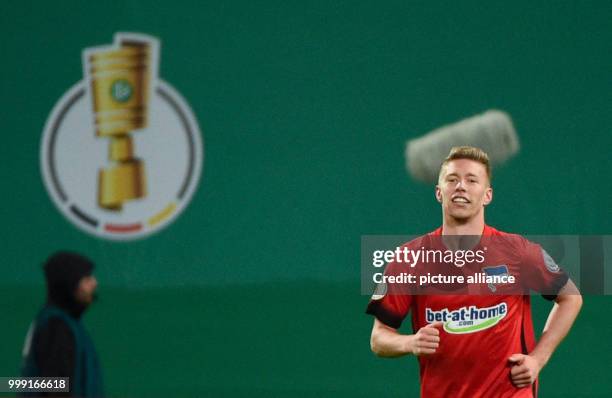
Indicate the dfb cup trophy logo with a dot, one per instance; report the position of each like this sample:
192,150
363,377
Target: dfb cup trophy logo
121,153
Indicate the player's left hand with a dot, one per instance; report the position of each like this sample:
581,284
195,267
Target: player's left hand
524,371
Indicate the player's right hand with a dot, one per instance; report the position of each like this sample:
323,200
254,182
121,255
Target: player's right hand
427,340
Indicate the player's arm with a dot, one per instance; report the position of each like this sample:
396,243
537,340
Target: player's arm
560,320
386,341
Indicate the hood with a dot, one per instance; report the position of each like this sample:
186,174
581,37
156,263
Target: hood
63,271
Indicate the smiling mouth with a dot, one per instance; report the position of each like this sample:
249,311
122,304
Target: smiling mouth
460,199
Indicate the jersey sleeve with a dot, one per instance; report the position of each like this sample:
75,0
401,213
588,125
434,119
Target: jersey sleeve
390,304
540,271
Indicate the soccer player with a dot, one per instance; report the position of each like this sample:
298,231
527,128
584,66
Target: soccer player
497,357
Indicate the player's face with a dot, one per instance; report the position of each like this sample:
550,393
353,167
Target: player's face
86,290
463,189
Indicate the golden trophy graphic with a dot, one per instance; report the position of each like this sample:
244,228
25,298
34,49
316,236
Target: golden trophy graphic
120,90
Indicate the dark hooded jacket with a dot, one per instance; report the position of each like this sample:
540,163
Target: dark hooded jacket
57,344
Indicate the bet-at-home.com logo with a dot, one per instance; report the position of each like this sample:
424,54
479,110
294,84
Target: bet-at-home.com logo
468,319
121,153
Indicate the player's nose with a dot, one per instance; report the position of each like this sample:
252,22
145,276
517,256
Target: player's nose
460,186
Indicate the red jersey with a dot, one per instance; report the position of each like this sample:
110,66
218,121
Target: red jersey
480,332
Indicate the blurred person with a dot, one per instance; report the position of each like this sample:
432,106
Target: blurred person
501,358
57,344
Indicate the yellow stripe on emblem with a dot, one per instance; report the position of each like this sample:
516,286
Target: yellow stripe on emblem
162,215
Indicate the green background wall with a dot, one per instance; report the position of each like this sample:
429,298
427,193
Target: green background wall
305,108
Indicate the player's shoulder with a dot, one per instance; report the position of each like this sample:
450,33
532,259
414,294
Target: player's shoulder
507,239
421,241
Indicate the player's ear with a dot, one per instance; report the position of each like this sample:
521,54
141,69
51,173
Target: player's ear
438,194
488,197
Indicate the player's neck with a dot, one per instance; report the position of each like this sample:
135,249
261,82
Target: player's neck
453,226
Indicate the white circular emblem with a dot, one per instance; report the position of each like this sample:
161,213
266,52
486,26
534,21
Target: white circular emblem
71,156
551,265
380,292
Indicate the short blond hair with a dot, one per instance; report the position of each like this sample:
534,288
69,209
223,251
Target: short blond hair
468,152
